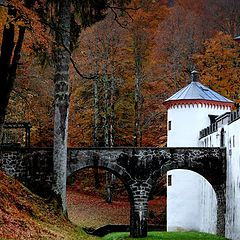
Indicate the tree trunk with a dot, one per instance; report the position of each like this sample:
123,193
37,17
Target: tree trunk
138,100
9,60
62,60
95,123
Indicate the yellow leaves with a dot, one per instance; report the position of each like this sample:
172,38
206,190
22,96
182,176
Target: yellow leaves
3,16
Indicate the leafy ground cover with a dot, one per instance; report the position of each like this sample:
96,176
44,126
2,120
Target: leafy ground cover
87,206
24,215
166,236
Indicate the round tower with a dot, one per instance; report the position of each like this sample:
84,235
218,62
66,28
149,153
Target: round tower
190,110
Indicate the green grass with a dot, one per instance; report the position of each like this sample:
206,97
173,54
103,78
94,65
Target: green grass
165,235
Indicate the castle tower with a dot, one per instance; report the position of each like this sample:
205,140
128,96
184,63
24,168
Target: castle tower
191,200
190,110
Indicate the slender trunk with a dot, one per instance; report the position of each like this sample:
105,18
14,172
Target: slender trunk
95,126
112,113
106,98
138,97
62,60
140,121
106,108
96,112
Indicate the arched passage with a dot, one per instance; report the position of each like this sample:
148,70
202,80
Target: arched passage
207,165
191,202
87,205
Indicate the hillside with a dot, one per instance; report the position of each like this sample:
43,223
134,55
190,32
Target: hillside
24,215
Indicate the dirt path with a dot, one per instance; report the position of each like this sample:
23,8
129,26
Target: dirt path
93,211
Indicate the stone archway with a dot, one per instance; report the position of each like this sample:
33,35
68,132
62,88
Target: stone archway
205,162
87,205
95,161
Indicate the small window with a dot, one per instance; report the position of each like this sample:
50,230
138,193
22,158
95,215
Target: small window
169,125
233,140
169,180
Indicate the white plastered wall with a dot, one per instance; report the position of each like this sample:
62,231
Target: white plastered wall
191,203
233,180
186,123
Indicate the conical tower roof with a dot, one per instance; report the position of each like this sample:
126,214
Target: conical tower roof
195,93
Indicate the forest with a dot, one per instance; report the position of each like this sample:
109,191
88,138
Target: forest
122,66
95,73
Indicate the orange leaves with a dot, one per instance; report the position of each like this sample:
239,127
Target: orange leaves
26,216
219,65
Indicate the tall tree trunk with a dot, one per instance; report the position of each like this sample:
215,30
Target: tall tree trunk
110,178
112,111
9,60
62,60
106,110
138,100
96,112
96,122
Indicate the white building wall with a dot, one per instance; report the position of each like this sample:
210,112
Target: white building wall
232,144
191,203
191,200
186,123
233,181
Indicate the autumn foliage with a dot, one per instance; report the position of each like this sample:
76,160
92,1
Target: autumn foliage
23,215
156,43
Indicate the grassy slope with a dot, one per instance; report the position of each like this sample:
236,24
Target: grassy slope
24,215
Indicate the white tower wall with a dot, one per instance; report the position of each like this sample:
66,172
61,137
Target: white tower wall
191,200
186,123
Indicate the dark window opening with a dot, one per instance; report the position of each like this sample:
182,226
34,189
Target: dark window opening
222,138
169,180
169,125
212,118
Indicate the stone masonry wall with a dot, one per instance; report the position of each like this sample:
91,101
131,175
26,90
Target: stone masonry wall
33,167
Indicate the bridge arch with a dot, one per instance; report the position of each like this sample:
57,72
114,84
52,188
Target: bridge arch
191,202
208,164
112,168
121,212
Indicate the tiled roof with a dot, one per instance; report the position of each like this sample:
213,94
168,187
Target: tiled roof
197,91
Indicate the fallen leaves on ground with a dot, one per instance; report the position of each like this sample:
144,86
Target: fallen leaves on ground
24,215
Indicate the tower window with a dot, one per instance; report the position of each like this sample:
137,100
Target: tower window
169,180
169,125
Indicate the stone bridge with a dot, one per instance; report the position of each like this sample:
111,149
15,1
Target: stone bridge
138,168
